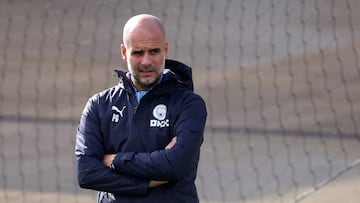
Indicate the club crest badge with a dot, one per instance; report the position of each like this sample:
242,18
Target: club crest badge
159,112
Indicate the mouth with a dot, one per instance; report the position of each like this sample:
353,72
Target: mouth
146,73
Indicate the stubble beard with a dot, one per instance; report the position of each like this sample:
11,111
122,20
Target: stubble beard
146,84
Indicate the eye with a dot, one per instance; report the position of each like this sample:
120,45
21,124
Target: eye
137,53
154,51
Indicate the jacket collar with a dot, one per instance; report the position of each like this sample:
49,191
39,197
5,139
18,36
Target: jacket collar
175,75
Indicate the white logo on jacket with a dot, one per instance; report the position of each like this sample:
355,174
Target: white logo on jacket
115,117
159,112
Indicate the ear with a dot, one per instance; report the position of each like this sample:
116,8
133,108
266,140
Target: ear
123,52
166,49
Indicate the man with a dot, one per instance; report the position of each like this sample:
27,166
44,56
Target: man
139,141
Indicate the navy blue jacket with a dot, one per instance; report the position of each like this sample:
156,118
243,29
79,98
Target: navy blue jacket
114,122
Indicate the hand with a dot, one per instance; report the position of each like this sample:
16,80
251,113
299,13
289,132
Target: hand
171,144
155,183
108,159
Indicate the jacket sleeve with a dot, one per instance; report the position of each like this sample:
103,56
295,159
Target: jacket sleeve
174,163
89,152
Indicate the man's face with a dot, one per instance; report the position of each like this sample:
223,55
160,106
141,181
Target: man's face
145,52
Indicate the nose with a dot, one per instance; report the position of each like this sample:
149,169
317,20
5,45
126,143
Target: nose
146,60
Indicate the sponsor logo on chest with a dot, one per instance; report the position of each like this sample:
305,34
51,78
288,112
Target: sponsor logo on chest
159,113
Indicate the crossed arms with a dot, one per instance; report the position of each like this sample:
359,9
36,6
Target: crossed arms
109,158
134,172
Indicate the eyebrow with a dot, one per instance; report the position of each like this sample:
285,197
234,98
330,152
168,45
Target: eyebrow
154,49
141,51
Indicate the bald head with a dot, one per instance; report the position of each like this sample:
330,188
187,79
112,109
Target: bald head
142,23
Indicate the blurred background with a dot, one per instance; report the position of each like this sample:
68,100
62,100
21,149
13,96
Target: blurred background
280,77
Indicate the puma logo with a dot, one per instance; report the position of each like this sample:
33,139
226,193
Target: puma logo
115,117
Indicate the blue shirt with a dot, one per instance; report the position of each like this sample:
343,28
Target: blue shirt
140,94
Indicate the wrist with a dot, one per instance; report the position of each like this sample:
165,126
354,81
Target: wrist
112,165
